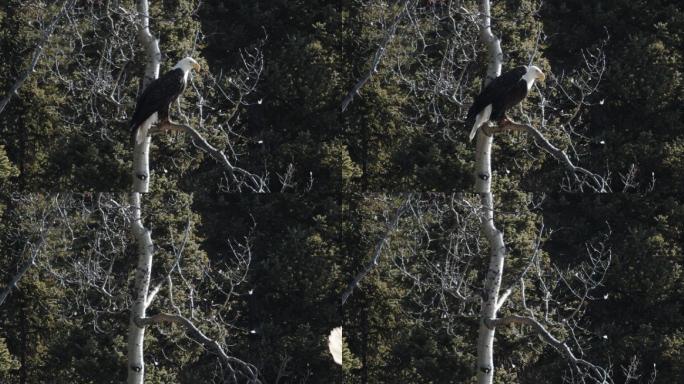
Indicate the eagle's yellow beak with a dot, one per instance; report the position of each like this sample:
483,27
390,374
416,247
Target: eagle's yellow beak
541,76
197,67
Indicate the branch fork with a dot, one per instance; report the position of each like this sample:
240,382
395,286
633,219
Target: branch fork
594,181
251,181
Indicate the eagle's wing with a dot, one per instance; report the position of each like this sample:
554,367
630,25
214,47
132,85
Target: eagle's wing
497,88
486,101
157,97
158,94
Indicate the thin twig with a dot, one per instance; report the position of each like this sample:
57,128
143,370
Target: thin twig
381,243
37,52
254,182
596,182
250,371
601,375
379,53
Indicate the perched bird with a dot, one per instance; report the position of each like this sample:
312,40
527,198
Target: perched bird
505,91
156,99
335,344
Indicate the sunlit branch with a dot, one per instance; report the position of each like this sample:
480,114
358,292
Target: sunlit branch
382,242
583,176
247,371
241,176
598,374
379,53
37,53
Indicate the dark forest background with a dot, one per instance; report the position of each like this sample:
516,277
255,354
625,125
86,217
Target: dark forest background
65,131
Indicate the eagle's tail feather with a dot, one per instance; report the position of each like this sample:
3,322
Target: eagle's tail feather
141,133
480,119
473,132
139,130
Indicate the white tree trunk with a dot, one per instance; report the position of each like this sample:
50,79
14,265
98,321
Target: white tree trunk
490,295
141,163
483,165
483,182
142,235
136,332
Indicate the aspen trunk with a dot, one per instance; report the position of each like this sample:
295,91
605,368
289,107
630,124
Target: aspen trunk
136,332
142,235
483,182
485,342
141,152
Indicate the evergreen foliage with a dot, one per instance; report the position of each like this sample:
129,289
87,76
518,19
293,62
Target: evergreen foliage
270,95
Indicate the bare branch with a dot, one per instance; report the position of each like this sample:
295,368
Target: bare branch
379,245
176,264
37,52
242,177
247,371
596,373
379,53
583,176
22,270
509,289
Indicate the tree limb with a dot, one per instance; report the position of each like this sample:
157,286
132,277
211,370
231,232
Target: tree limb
601,375
379,53
176,264
252,181
595,182
251,373
35,252
37,52
15,279
384,240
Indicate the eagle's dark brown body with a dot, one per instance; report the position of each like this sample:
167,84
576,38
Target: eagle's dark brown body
157,97
505,91
500,94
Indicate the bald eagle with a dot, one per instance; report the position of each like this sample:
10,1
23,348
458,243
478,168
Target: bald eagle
504,92
156,99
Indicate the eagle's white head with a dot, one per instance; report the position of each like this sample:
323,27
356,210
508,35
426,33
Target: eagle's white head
533,73
187,64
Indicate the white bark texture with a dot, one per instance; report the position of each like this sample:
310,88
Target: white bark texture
492,285
141,164
142,235
136,331
483,173
141,152
483,165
